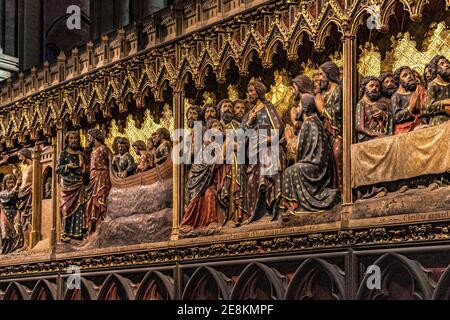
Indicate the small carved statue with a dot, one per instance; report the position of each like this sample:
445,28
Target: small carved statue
373,119
8,214
24,198
405,102
123,163
307,184
329,104
438,104
99,181
70,168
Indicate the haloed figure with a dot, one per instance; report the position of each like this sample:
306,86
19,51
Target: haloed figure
71,167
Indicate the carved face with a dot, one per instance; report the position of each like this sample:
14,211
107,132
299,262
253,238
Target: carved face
407,80
137,150
73,141
21,157
427,74
252,94
122,147
91,140
388,87
150,143
10,183
216,126
157,139
239,111
226,106
226,112
373,90
192,116
323,80
316,83
210,113
417,77
444,69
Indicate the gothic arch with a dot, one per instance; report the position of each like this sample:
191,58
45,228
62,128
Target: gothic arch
155,286
44,290
297,41
401,278
325,32
117,287
271,51
224,65
207,284
250,47
316,279
204,71
259,282
16,291
87,292
442,291
183,78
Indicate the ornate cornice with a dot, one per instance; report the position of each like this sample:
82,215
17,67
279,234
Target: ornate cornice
232,249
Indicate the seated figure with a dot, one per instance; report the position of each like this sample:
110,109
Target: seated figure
307,184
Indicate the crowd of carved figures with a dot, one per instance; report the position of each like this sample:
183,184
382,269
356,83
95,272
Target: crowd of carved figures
236,194
84,179
307,179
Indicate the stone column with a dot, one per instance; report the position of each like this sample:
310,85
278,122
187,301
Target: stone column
37,190
57,191
349,90
178,180
57,145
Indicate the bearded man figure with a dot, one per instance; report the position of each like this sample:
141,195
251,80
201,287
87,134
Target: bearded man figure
70,168
438,104
8,212
265,174
239,110
233,194
99,182
329,104
373,119
388,87
405,102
